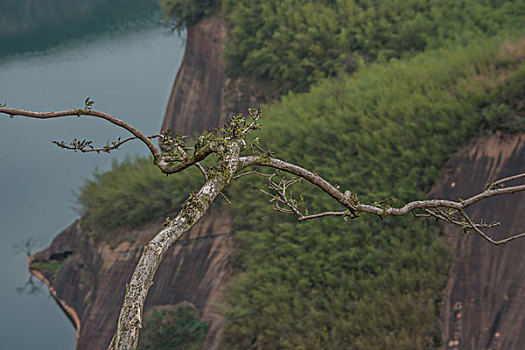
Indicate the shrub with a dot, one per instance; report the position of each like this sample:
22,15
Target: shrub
132,193
173,329
187,12
295,43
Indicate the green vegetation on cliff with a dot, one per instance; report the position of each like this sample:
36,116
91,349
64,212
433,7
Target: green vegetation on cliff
294,43
173,329
132,193
54,266
384,131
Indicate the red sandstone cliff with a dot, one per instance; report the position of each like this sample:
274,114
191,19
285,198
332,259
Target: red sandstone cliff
196,96
485,295
202,97
91,283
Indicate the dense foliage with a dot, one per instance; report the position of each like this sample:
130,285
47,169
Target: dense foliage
294,43
385,131
173,329
132,193
187,12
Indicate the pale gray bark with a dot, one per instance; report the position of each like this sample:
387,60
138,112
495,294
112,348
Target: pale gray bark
130,319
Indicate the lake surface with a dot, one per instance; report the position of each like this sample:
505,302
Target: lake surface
128,73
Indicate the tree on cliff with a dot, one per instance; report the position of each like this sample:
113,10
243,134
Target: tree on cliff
231,156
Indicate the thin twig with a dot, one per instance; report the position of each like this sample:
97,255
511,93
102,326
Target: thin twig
320,215
489,239
107,148
250,173
507,179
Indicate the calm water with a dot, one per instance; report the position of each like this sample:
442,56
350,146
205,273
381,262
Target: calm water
128,74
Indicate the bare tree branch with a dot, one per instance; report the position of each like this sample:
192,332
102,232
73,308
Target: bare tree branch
502,181
256,115
281,196
169,167
252,172
350,201
314,178
323,214
165,162
87,112
451,218
475,227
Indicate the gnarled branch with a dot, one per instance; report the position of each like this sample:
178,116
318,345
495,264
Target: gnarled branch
130,319
431,207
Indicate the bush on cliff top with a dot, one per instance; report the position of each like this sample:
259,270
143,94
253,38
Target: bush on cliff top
132,193
173,329
186,13
295,43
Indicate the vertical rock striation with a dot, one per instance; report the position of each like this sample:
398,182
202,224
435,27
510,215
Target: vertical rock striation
202,97
195,100
485,295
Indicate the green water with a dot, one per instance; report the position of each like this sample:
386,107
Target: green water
128,70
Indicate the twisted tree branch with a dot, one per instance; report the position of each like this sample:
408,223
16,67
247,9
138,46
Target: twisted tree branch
130,319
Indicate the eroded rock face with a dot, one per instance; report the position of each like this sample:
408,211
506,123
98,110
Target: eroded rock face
195,100
485,295
202,98
91,282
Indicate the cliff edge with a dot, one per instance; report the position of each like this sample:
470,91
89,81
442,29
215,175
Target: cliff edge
202,96
89,278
